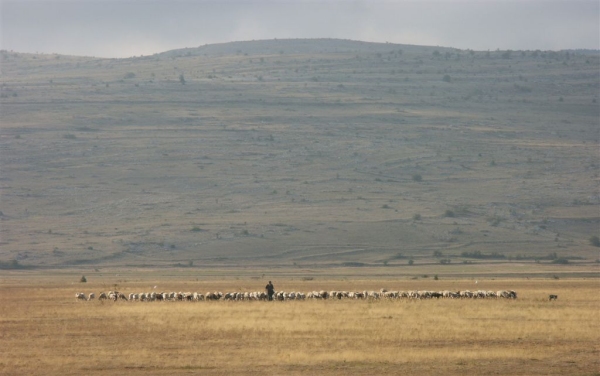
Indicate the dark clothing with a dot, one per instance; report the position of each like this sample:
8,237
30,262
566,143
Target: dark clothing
270,290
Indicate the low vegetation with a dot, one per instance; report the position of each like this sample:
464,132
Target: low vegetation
47,331
208,148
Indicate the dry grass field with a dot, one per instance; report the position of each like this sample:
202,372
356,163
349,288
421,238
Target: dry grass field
45,331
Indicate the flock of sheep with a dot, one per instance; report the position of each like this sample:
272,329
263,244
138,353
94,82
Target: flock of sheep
283,296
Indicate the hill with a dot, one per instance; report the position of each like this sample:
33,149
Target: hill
299,153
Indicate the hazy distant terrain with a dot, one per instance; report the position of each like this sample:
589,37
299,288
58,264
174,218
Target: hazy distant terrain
300,153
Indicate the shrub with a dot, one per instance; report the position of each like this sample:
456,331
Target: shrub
449,213
595,241
417,177
417,217
129,75
560,260
447,78
411,262
83,279
182,79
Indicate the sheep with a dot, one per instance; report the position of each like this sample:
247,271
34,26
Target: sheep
552,297
91,296
80,296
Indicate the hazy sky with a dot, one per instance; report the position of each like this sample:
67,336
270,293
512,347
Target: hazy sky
123,28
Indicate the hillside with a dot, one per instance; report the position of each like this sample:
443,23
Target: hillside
299,153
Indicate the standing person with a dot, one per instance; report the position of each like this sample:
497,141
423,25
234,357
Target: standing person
270,290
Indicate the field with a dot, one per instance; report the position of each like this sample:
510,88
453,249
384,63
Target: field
44,330
319,164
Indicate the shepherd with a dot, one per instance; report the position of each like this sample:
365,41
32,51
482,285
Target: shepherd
270,290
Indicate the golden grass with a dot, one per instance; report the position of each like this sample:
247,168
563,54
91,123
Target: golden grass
45,331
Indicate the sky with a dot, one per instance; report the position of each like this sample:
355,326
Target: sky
125,28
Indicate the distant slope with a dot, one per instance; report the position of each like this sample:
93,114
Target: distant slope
300,153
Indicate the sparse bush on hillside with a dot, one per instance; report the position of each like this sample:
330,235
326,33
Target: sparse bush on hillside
595,241
417,177
182,79
449,213
447,78
479,255
12,264
129,75
83,279
495,220
417,217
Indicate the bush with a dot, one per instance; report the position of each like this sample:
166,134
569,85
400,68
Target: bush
479,255
417,217
12,264
411,262
447,78
595,241
417,177
83,279
449,213
182,79
561,260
